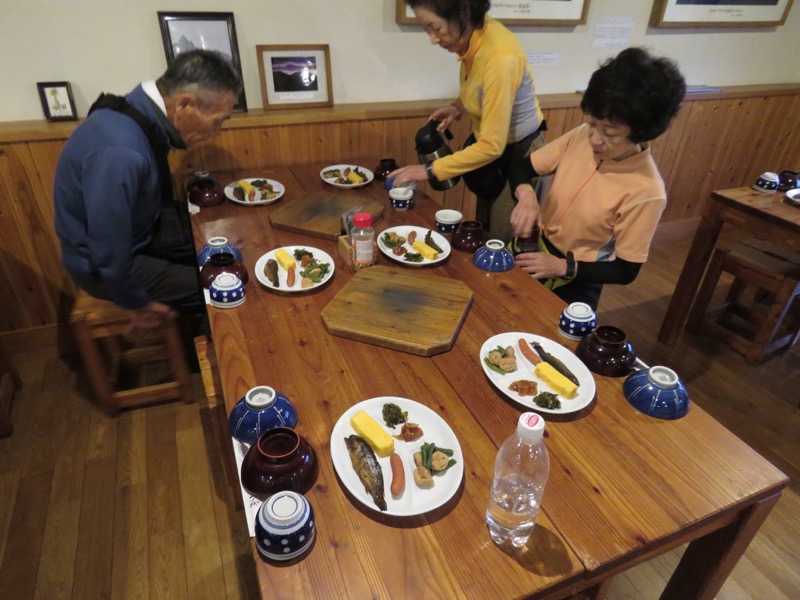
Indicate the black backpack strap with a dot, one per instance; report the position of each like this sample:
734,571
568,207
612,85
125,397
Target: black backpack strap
120,104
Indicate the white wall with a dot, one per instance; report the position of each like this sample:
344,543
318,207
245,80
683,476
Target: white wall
110,45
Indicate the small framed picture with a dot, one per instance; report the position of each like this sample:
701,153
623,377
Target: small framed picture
184,31
57,101
296,75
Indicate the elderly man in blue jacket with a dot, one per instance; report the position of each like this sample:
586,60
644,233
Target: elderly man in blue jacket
123,238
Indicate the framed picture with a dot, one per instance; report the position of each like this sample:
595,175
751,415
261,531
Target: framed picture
184,31
295,75
719,13
57,101
520,12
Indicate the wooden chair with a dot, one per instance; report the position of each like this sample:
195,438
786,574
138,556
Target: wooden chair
760,323
106,350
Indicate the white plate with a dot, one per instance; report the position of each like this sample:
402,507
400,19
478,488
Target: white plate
414,500
404,230
320,255
347,186
277,186
586,387
793,197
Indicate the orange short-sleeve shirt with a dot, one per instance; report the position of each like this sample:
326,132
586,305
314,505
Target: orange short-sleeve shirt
599,211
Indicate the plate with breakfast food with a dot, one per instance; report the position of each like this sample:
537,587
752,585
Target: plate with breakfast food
294,269
255,191
414,246
396,456
346,176
537,372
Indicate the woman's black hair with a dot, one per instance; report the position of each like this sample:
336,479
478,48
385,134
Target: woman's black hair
464,13
636,89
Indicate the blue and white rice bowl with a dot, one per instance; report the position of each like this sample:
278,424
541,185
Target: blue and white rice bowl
260,409
767,182
285,526
216,245
401,198
493,257
657,392
226,291
576,321
448,220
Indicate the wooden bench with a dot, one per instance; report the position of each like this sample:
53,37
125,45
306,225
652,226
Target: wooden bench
107,349
760,323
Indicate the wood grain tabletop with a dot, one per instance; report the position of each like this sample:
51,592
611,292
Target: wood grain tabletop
623,486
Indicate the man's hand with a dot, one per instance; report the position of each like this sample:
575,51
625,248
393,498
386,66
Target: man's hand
151,316
526,212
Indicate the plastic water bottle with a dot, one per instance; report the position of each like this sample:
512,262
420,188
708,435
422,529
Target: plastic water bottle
520,474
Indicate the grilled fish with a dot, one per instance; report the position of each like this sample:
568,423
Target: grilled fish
367,468
431,243
557,364
271,271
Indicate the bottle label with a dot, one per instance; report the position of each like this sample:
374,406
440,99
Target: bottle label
363,253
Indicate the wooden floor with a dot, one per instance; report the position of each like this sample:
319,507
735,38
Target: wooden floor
135,507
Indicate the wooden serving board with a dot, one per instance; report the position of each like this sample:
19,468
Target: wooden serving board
400,309
319,214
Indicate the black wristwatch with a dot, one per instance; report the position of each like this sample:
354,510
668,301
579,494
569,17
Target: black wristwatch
429,171
570,274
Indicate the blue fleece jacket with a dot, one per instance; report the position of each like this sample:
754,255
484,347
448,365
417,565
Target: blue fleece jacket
107,200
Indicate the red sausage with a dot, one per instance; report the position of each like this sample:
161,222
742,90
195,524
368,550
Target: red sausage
398,474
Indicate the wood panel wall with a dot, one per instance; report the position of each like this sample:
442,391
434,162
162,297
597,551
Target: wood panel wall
717,141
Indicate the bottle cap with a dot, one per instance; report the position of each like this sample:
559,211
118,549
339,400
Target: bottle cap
362,219
530,427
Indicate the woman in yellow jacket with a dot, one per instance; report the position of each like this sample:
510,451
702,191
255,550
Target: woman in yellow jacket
496,91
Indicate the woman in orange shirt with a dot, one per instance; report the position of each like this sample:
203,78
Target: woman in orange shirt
606,197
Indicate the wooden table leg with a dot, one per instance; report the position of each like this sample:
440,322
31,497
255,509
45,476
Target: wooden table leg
709,560
705,238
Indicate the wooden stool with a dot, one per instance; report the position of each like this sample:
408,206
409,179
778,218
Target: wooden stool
100,328
767,323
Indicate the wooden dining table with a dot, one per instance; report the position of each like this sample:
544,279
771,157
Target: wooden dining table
762,214
623,487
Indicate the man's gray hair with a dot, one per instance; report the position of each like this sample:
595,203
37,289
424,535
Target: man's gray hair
200,71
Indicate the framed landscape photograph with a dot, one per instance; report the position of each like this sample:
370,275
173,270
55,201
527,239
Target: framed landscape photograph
719,13
57,101
184,31
295,75
520,12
